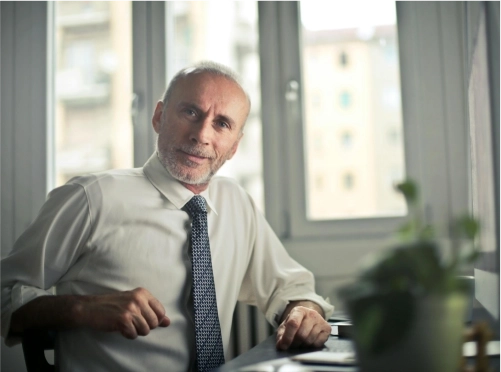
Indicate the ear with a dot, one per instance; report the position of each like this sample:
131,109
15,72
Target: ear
156,120
235,146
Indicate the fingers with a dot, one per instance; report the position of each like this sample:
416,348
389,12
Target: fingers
165,322
128,330
317,337
321,339
141,312
152,311
126,325
302,328
141,325
290,327
302,334
159,312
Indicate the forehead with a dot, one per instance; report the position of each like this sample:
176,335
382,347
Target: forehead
210,91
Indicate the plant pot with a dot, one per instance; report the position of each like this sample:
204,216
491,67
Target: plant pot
398,332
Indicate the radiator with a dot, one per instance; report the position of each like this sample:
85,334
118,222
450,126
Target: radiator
249,328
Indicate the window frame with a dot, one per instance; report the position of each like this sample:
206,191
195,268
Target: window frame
27,131
148,73
435,138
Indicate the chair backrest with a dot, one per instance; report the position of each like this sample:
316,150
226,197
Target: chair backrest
35,342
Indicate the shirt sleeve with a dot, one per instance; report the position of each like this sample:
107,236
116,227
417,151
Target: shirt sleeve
44,252
273,278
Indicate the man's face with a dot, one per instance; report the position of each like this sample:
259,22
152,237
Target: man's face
201,126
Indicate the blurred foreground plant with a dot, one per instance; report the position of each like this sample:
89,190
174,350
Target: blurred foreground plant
383,299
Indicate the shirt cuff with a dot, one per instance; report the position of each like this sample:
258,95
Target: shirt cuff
19,296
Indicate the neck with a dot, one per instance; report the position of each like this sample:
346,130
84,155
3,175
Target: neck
196,189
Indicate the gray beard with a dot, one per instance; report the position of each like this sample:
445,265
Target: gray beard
171,164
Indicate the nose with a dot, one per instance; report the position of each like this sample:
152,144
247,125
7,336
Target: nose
201,132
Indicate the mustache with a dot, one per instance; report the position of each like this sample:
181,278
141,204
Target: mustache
197,151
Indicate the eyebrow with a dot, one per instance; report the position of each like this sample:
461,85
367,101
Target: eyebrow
198,108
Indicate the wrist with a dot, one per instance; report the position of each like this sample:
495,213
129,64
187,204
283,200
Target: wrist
79,311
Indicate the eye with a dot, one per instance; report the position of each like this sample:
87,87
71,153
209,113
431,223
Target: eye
190,112
223,124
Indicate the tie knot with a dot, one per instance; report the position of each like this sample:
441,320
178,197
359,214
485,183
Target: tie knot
195,206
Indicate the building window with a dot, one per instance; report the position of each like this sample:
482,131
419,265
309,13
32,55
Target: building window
93,81
347,140
348,181
343,59
345,99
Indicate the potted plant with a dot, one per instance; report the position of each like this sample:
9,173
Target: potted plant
408,304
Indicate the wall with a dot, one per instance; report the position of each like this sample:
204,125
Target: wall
23,116
23,131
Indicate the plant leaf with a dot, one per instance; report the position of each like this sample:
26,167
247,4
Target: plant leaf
409,190
427,233
469,226
406,232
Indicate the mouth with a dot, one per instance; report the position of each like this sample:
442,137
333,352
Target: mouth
192,157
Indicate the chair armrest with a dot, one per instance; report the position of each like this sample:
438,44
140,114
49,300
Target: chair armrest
35,342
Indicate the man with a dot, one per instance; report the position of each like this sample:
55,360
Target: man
116,246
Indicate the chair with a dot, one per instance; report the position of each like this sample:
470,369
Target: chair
35,342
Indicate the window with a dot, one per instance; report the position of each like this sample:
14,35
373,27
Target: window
345,99
93,73
358,99
378,56
343,59
347,140
348,181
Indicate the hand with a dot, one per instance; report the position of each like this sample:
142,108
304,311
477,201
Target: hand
131,313
303,327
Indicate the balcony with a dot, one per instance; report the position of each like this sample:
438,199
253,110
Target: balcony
74,87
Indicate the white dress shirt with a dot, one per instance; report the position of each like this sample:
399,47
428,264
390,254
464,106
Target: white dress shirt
122,229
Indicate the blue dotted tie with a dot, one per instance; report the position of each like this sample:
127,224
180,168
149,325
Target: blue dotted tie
209,343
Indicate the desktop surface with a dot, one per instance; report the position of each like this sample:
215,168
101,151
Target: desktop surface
266,358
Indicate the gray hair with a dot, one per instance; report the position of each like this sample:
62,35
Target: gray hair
210,67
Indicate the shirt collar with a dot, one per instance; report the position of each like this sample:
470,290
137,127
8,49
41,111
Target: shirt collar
171,188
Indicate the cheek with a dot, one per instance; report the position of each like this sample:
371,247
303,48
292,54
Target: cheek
164,140
225,151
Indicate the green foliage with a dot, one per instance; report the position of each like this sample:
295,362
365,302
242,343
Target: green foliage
467,226
384,318
414,268
409,190
416,265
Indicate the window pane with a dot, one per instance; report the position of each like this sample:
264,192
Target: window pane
93,130
352,110
224,32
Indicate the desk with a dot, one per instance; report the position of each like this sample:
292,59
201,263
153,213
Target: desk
266,351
